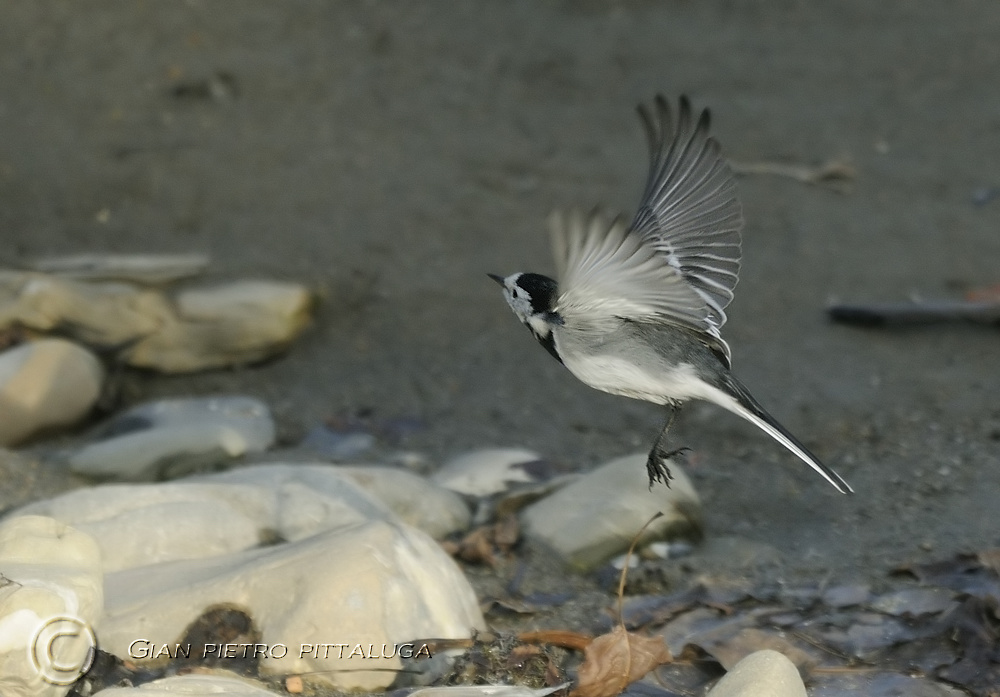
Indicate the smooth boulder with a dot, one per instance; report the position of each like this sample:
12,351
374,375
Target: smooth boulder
596,517
44,385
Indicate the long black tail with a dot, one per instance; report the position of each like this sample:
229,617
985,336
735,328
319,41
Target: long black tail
753,412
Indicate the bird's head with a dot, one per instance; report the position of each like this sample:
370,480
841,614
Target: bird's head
532,297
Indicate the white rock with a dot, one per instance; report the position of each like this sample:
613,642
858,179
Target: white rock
485,691
139,524
761,674
45,384
202,516
192,686
374,584
485,472
417,501
49,571
597,516
413,499
172,437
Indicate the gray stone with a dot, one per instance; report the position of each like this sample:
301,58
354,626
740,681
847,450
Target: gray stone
913,602
596,517
169,438
847,595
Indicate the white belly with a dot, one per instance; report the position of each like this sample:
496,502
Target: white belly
623,377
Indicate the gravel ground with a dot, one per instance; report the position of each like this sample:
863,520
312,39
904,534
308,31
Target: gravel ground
390,155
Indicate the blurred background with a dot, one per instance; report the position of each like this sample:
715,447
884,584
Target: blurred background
389,155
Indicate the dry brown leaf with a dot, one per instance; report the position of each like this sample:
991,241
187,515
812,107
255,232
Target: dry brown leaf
615,660
476,547
612,661
506,532
731,650
990,558
479,546
984,294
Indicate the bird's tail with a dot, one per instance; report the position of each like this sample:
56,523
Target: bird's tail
749,409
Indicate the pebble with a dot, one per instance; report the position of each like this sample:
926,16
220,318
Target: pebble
192,686
376,588
169,438
44,385
486,472
847,595
327,443
49,570
595,518
761,674
876,683
913,602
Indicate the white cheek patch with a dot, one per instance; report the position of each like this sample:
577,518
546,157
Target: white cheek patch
538,325
520,305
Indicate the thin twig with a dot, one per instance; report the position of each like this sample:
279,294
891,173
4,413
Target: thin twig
836,174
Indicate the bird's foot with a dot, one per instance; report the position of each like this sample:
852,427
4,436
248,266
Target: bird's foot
656,464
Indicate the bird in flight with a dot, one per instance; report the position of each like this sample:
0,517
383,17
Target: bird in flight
637,308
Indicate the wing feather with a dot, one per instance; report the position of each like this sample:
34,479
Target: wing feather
690,211
678,261
606,273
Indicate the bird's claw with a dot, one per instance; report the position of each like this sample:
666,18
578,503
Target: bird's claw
656,464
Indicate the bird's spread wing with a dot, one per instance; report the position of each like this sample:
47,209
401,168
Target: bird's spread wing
690,211
606,271
678,260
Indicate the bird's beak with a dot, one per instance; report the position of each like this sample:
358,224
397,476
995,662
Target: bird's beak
498,279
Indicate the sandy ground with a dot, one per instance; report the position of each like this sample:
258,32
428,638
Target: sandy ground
390,155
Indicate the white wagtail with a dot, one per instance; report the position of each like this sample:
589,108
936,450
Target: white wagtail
638,308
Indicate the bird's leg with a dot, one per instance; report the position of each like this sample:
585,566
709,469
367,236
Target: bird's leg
656,463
